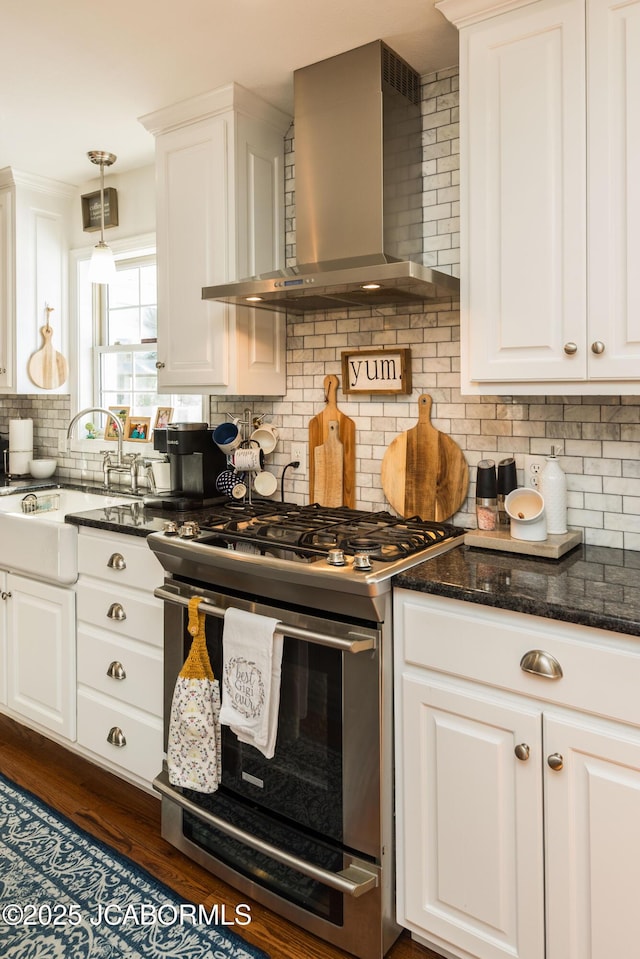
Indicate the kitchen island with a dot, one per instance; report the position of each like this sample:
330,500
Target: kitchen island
517,732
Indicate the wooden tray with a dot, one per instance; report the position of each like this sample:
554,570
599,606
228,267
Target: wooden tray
553,547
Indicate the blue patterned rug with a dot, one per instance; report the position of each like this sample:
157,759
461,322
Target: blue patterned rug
65,895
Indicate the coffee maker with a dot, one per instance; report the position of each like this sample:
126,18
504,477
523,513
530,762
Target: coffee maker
195,463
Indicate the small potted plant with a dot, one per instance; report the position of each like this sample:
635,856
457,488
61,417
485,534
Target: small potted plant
92,431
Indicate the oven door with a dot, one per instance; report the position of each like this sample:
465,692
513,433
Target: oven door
305,825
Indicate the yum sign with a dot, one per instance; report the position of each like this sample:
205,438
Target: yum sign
376,371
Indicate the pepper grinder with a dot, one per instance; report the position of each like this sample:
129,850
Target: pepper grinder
486,495
507,481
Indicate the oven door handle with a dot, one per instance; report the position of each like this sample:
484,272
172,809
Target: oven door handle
354,880
356,645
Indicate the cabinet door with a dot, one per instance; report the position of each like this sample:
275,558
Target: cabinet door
3,638
192,235
6,290
523,183
593,839
613,45
41,653
471,859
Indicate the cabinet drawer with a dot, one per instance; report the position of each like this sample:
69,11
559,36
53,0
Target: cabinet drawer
141,569
100,654
122,611
600,669
142,752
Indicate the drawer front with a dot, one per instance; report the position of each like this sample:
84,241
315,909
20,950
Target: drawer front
119,559
120,610
600,669
141,752
121,668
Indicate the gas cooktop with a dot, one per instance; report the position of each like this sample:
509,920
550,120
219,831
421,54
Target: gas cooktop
306,533
353,552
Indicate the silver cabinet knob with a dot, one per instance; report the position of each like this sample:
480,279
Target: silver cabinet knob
159,365
116,611
570,348
116,670
522,752
597,347
115,737
116,561
543,664
556,761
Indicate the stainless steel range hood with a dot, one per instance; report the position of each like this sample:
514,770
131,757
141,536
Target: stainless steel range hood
358,180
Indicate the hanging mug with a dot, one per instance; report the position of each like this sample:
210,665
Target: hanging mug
267,436
265,483
227,437
248,460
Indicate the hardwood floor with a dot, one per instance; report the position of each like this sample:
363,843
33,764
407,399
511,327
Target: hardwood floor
128,819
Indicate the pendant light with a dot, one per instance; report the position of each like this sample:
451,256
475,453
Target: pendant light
102,268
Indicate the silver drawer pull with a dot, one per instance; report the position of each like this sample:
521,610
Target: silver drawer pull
543,664
116,737
116,561
116,611
116,670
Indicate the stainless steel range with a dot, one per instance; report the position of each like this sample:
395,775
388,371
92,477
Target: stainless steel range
308,833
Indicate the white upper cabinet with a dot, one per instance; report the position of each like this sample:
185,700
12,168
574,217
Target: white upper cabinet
220,217
550,140
34,219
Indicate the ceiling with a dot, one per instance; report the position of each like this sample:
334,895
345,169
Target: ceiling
75,76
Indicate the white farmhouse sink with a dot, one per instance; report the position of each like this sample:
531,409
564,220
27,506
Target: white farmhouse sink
40,543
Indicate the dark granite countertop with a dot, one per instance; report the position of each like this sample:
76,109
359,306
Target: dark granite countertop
592,585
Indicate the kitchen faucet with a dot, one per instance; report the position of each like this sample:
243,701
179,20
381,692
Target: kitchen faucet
125,462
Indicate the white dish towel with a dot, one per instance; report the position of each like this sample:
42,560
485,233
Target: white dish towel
252,663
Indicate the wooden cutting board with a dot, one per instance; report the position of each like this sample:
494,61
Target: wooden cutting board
46,367
424,472
332,453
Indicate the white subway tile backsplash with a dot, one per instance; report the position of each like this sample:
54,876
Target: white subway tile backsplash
600,435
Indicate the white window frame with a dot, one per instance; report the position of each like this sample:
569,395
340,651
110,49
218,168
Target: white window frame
85,333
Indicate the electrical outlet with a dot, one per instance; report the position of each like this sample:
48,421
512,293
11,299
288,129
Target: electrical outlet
534,464
533,467
299,455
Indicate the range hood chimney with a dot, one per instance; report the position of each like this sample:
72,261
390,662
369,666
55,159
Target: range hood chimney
358,175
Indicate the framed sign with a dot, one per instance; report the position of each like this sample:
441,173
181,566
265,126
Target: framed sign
91,209
376,371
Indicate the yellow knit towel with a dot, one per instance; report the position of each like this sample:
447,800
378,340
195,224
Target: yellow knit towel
197,664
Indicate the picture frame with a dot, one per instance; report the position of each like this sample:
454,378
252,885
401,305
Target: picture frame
381,371
163,417
138,429
122,412
90,203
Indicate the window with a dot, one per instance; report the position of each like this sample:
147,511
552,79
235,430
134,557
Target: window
126,356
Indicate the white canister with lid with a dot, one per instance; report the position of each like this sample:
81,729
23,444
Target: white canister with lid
553,486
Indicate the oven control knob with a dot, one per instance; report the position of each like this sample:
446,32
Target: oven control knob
335,557
170,528
361,561
188,530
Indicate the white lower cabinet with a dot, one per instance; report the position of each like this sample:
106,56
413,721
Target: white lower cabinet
3,638
40,641
120,655
518,794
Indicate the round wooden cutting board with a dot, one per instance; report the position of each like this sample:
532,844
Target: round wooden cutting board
424,472
46,367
